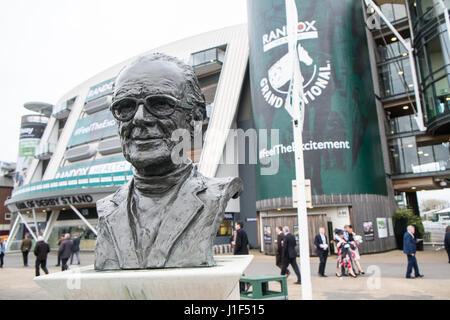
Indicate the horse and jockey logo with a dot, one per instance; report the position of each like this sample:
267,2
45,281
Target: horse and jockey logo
315,75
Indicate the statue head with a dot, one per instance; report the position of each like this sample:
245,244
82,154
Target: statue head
153,96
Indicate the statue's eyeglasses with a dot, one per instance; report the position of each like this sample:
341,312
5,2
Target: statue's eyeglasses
158,105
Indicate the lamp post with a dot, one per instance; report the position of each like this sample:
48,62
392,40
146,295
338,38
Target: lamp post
296,107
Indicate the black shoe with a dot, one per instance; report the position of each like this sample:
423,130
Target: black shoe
339,276
409,277
419,276
57,265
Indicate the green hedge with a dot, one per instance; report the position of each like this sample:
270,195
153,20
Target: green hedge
411,219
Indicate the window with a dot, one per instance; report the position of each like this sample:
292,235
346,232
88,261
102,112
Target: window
226,228
402,125
434,61
394,12
409,157
395,77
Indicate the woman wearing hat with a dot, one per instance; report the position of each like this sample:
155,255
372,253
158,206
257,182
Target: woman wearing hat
344,255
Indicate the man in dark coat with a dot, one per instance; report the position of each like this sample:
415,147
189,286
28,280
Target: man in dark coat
321,243
409,248
75,249
65,251
447,242
279,251
290,254
41,251
25,247
241,246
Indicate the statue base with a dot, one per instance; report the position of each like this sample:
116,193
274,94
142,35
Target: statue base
220,282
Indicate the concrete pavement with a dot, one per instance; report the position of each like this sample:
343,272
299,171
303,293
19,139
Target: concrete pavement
384,278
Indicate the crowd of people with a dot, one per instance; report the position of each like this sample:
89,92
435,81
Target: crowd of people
348,253
346,241
67,249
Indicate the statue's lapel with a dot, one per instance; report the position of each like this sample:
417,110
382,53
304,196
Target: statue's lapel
178,217
120,230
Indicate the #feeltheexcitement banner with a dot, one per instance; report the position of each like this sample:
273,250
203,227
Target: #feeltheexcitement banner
341,141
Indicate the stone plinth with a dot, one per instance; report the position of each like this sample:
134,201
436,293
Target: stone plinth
210,283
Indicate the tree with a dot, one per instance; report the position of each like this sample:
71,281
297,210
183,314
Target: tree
432,204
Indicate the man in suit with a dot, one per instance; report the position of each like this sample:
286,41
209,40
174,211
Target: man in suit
279,250
65,251
41,251
290,254
241,246
25,247
168,215
409,248
321,243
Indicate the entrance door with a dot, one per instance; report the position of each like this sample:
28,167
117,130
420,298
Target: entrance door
314,223
331,237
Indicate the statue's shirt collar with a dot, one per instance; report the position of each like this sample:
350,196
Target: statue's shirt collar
157,185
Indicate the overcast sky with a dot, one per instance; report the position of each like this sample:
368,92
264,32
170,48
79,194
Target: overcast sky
47,47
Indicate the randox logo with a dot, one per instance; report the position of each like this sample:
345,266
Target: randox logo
275,85
26,131
100,89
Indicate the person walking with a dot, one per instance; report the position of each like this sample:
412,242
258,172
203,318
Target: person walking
2,252
75,248
241,246
321,243
65,251
41,251
61,239
290,254
409,248
447,242
279,250
25,247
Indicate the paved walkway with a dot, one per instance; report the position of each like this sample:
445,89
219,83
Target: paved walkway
384,277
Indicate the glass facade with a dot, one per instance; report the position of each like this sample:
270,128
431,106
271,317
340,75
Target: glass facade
409,157
434,65
432,48
394,70
394,12
205,56
77,227
403,124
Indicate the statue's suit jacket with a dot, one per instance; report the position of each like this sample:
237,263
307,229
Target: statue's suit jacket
185,236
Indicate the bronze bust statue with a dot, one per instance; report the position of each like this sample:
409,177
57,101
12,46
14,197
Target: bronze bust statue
168,214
